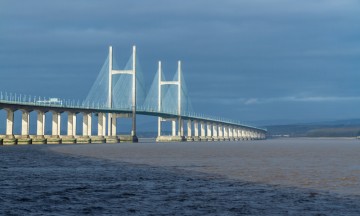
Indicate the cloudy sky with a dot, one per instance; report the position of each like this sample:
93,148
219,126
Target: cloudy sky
251,60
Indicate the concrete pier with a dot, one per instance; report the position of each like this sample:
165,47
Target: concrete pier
39,138
112,137
173,128
215,132
189,137
226,133
221,133
101,124
86,126
209,132
25,123
9,122
202,131
176,135
231,134
196,131
181,127
9,139
71,129
55,137
24,138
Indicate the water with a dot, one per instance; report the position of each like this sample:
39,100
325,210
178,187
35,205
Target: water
286,177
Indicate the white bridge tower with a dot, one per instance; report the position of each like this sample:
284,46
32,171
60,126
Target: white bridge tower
131,72
180,133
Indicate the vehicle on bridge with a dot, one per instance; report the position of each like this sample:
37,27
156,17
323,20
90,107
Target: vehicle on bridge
56,101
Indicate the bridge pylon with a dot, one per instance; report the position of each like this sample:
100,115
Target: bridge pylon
112,117
180,131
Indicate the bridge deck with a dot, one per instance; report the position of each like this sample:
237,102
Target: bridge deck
30,106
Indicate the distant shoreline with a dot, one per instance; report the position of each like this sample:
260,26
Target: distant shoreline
313,138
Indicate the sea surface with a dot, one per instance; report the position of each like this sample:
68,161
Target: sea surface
271,177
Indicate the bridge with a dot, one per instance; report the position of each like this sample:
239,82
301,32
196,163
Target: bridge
120,93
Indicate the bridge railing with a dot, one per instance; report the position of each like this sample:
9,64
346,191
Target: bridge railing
21,99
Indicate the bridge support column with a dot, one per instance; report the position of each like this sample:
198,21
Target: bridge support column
174,137
256,135
9,139
238,133
101,124
234,133
189,132
262,136
113,125
71,124
10,123
248,135
109,122
159,126
173,128
235,137
85,124
251,135
226,133
40,123
40,129
242,134
56,124
71,129
238,136
215,132
25,123
231,135
221,133
196,131
101,129
55,131
86,128
209,132
24,138
126,137
181,127
202,131
112,138
89,116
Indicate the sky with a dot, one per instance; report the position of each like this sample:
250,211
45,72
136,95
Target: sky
249,60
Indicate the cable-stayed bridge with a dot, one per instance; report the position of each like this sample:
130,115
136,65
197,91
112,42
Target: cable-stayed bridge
119,92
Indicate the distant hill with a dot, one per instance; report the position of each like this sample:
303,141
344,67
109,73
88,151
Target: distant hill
338,128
